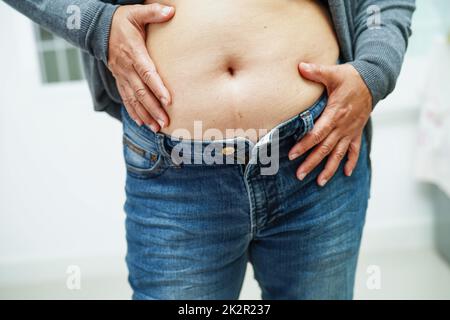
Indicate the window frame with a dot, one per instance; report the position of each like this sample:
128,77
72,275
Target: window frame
60,47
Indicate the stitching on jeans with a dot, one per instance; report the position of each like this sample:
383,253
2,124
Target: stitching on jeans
253,222
250,197
135,148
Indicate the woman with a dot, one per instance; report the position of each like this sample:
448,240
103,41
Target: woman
194,220
224,171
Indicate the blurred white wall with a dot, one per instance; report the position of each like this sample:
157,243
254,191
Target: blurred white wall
61,172
62,176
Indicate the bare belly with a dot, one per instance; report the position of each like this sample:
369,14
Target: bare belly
232,64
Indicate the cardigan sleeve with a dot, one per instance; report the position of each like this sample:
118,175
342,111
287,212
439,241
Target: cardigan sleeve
84,23
382,29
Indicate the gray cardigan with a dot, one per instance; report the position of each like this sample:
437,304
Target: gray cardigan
373,37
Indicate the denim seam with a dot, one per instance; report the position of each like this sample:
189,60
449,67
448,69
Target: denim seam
251,200
154,171
266,200
127,141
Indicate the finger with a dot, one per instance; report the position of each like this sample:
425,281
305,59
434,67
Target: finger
152,13
353,155
333,162
146,70
317,156
149,121
148,101
135,108
319,73
127,102
321,130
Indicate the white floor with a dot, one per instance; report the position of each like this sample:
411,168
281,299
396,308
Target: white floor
420,274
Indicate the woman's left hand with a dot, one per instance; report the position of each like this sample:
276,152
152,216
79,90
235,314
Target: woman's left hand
338,131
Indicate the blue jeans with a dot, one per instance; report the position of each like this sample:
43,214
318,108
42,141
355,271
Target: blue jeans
192,226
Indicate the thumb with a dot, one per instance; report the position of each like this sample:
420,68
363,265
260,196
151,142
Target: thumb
318,73
152,13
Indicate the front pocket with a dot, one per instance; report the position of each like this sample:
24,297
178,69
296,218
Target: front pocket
140,162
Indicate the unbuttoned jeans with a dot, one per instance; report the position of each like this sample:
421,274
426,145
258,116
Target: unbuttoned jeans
192,226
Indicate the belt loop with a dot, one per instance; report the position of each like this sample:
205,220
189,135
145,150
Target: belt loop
163,151
308,121
318,108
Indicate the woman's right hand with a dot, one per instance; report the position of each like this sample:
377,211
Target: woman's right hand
140,86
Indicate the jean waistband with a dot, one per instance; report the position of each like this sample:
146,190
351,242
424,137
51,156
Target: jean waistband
238,150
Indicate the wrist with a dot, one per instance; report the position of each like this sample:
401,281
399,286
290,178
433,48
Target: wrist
96,24
363,84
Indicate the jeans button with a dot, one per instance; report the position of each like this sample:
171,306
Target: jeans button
228,151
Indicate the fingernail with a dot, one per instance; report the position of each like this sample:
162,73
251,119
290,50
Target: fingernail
350,173
161,123
164,101
166,10
153,128
301,176
306,66
293,156
138,122
323,182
